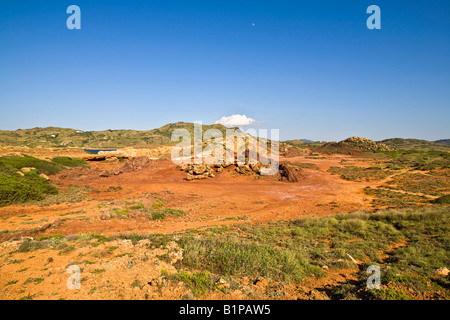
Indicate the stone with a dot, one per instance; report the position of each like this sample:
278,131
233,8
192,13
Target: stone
255,168
57,223
42,175
44,227
261,282
199,169
105,174
105,215
443,271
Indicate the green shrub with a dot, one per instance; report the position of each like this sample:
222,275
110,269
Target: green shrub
70,162
199,282
443,200
237,258
18,162
19,189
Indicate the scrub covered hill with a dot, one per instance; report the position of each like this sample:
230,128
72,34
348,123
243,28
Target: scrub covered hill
415,144
64,137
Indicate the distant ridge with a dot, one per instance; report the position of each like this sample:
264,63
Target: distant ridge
415,144
65,137
443,141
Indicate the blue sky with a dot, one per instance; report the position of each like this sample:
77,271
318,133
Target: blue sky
309,68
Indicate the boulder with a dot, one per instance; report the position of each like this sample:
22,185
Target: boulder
199,168
105,215
105,174
57,223
42,175
443,271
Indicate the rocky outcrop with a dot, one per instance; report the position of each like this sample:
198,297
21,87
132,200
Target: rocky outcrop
204,171
130,153
365,144
197,171
131,165
288,172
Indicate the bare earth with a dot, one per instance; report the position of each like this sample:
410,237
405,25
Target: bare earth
229,198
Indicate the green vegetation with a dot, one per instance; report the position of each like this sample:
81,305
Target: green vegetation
291,251
15,188
393,198
409,245
33,280
430,184
198,282
63,137
359,174
443,200
415,144
305,165
419,160
19,162
72,194
20,187
127,209
70,162
163,213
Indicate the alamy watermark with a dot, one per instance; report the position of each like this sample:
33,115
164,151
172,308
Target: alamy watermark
237,147
374,281
74,281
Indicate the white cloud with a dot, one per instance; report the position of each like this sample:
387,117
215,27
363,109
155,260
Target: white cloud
236,120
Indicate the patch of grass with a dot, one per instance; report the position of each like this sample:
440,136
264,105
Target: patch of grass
443,200
15,188
72,194
98,271
291,251
33,280
389,294
28,245
421,183
420,160
136,284
158,204
56,236
120,213
163,213
305,165
66,249
237,258
19,162
12,282
138,206
70,162
394,199
360,174
199,282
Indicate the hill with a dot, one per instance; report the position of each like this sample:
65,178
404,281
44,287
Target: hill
443,141
364,144
415,144
64,137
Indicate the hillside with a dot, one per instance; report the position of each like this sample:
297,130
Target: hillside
443,141
64,137
415,144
